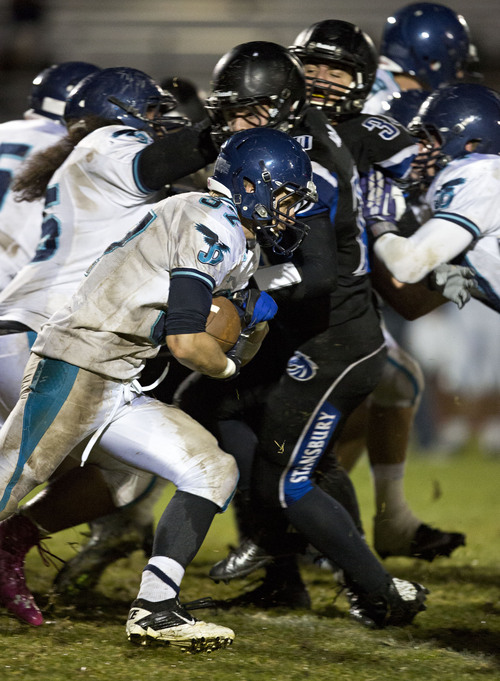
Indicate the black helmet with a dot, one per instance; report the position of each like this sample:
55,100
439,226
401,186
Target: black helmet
252,74
341,44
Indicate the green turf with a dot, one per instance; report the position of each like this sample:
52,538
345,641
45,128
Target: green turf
456,639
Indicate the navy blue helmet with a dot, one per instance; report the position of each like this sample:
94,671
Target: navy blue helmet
346,46
274,164
428,41
455,116
253,74
404,106
52,86
124,95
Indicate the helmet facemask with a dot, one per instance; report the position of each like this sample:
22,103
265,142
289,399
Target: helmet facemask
338,46
269,177
335,99
272,212
264,112
430,158
256,76
156,119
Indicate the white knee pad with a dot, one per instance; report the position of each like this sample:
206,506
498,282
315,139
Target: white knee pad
216,483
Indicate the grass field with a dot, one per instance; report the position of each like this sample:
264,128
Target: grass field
457,638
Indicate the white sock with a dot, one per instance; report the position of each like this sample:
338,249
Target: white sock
161,579
389,494
394,524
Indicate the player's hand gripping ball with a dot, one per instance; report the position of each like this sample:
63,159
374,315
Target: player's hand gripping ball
223,323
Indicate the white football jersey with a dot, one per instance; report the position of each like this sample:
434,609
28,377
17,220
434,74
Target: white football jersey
381,93
467,193
20,222
116,319
94,198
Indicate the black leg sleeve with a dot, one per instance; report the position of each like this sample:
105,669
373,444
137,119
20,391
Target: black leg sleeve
183,527
329,528
335,481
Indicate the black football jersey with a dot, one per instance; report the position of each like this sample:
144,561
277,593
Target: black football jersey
380,142
330,154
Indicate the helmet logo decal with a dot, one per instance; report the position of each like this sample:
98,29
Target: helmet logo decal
215,253
300,367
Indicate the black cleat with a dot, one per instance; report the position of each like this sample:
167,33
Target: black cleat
429,543
240,562
397,607
291,595
113,537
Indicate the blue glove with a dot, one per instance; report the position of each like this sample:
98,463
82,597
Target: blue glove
256,306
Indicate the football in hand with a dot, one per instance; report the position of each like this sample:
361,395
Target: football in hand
223,322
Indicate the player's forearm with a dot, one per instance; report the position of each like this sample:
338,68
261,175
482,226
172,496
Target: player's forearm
405,261
411,259
199,352
411,301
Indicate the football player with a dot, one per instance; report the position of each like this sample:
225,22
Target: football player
424,45
121,139
154,286
117,139
340,63
458,160
323,356
41,126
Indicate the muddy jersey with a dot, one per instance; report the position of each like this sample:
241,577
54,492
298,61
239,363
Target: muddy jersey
94,198
20,221
116,319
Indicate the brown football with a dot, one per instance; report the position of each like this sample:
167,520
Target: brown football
223,322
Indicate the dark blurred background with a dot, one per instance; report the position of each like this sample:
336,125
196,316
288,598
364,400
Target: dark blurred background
185,37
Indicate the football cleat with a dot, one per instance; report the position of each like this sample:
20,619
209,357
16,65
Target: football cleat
427,543
240,562
112,537
17,536
291,595
169,623
397,607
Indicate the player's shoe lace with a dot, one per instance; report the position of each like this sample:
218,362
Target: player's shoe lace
240,562
17,536
397,606
169,623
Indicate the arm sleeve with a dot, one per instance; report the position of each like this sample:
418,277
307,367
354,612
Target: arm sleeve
176,155
410,260
189,303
